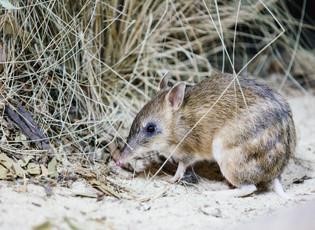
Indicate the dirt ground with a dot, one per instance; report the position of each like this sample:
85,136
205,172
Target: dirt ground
160,205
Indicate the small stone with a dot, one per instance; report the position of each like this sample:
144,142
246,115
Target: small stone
211,211
144,207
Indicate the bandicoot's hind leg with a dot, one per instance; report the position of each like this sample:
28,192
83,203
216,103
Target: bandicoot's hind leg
278,188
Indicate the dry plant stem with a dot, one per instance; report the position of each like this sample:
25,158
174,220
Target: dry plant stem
26,124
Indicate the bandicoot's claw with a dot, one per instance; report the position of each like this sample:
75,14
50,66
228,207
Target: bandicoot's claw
174,179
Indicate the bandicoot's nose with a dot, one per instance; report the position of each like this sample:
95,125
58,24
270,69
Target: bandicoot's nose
120,159
119,163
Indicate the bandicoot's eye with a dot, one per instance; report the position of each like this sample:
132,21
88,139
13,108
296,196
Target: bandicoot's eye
150,128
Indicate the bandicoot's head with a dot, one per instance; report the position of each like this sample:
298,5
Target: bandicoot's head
152,128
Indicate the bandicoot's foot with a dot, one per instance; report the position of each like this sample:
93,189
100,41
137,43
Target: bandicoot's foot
278,188
173,180
181,168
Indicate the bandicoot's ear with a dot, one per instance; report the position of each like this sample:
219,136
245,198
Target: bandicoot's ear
176,95
164,82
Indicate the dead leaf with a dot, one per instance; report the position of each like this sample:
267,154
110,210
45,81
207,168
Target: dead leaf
44,170
10,168
44,226
52,168
6,161
107,190
3,172
87,174
23,162
81,189
33,169
18,170
22,139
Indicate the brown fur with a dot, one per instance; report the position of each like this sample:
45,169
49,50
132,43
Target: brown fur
258,136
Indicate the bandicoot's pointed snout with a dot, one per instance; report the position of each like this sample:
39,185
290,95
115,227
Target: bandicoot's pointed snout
119,160
119,163
125,151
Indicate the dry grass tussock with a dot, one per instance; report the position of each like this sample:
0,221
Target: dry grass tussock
82,69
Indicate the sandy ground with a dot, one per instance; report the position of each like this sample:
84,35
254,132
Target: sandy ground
160,205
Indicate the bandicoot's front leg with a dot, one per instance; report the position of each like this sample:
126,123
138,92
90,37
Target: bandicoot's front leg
181,168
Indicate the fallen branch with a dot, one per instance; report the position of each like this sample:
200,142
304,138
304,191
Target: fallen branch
24,121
